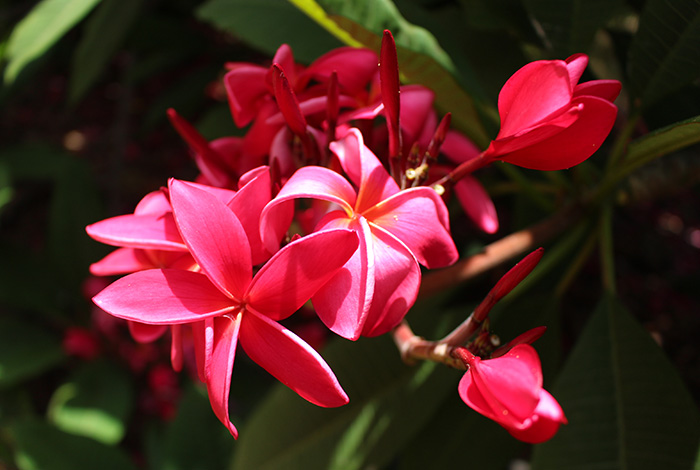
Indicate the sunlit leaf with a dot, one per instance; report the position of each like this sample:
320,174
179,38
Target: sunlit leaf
95,403
40,29
663,141
626,406
665,51
40,446
267,24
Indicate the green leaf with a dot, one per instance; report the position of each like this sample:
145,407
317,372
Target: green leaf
569,25
627,407
665,52
95,403
40,446
267,24
459,437
104,33
421,59
195,438
389,406
662,142
41,29
26,350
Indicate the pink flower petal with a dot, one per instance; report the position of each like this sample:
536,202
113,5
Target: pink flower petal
155,202
308,182
220,366
203,339
144,333
416,106
176,347
214,236
572,145
477,203
397,279
544,423
163,297
343,303
459,148
355,68
245,86
537,134
247,204
606,89
418,217
575,65
298,270
534,92
364,169
290,360
148,231
122,261
505,389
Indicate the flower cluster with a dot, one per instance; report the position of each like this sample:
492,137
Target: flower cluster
324,201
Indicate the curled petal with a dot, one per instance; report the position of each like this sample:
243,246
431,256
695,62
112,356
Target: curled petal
343,303
505,389
163,297
606,89
397,279
155,202
290,360
575,65
307,182
220,366
544,422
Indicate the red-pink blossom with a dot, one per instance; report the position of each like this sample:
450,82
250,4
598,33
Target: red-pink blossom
397,230
508,390
549,121
226,304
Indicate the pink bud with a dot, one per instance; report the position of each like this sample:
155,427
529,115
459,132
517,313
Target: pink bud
508,390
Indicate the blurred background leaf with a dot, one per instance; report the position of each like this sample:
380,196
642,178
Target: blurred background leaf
626,406
665,51
95,402
45,24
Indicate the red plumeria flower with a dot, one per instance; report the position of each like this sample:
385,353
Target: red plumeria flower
508,390
548,121
397,230
227,304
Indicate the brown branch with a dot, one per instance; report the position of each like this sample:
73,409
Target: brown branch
498,252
